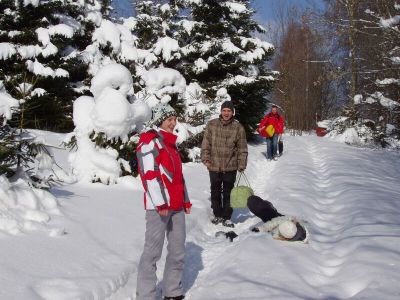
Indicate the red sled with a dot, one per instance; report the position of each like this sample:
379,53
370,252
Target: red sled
321,131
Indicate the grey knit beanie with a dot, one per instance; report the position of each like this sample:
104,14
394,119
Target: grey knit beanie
161,112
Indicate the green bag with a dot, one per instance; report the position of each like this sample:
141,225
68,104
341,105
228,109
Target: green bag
240,193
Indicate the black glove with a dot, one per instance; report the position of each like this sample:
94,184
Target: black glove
231,235
255,229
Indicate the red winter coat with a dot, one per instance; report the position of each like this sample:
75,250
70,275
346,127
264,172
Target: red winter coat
275,120
160,168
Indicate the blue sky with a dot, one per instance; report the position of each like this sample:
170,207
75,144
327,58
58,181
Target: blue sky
265,8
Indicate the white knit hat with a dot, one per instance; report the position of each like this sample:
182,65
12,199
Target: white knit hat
161,112
287,229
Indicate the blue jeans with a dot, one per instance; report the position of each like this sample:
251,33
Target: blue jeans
272,146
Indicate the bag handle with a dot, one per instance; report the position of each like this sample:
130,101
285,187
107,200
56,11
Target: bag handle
245,179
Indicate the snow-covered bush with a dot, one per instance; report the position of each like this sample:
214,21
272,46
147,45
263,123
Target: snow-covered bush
342,130
23,206
104,124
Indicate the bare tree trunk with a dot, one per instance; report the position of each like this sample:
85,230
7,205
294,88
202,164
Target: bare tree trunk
351,5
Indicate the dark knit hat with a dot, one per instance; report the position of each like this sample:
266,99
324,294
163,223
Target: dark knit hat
228,104
160,113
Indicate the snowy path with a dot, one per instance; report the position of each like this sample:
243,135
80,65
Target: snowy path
348,196
352,253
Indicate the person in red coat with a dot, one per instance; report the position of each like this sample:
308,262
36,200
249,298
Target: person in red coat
276,120
166,202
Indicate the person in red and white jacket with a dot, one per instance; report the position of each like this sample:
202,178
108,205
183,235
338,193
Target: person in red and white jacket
276,120
166,202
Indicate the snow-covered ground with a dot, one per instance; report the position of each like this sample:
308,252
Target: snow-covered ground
349,197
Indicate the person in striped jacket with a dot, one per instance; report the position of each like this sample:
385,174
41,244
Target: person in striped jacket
166,202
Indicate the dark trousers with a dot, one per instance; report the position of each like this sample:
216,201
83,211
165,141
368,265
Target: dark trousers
221,186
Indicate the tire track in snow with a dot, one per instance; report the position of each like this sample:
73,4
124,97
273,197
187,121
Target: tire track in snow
330,225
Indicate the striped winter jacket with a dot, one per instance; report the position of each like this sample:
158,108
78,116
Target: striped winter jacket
160,168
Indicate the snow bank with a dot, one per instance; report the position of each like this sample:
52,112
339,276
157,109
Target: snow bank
23,208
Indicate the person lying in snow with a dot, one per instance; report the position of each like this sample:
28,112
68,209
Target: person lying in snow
281,227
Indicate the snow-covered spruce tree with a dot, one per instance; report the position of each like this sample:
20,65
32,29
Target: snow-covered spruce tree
158,28
221,54
148,25
39,43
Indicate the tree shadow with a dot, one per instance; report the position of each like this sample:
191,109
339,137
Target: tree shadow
193,265
61,193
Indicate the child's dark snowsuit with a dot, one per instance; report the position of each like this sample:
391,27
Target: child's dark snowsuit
262,208
267,212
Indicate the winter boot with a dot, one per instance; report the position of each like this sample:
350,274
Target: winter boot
217,220
228,223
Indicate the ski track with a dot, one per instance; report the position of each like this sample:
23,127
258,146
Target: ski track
333,250
324,242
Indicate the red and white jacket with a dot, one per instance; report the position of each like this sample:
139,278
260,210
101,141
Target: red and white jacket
160,168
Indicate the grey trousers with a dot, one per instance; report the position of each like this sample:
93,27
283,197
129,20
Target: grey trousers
157,227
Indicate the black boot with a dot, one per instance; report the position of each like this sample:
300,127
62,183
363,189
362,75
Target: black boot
175,298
